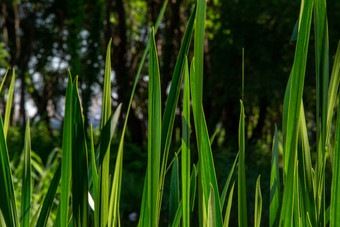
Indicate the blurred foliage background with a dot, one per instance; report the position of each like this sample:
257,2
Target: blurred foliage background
43,39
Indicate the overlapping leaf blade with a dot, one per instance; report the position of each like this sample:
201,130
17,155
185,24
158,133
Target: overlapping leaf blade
26,180
66,163
171,104
174,191
154,133
242,194
293,114
258,203
335,196
275,199
7,198
322,80
104,153
79,163
116,183
305,171
94,179
230,179
186,148
117,177
207,175
228,208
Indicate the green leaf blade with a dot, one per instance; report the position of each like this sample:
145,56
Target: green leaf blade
26,180
335,196
94,180
48,200
7,204
229,203
172,100
293,113
104,155
258,203
186,148
66,163
174,191
242,194
275,204
117,176
154,133
79,163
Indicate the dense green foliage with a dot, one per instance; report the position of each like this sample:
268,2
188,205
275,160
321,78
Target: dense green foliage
83,185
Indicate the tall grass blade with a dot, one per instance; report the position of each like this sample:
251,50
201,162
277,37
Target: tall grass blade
201,208
104,155
295,97
174,191
196,94
48,200
7,197
322,68
79,163
172,100
26,180
198,64
186,148
275,199
258,203
154,133
9,104
117,177
242,194
335,196
296,80
322,80
66,162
